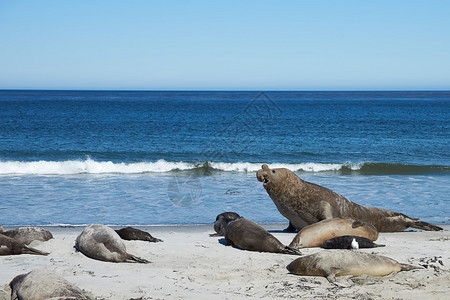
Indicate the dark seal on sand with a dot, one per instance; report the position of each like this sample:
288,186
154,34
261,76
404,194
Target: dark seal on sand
222,221
134,234
248,235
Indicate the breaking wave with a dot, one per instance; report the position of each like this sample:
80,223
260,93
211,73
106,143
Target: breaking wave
90,166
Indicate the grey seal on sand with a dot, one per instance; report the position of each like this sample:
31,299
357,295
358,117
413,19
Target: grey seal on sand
316,234
103,243
304,203
9,246
331,263
248,235
43,285
28,234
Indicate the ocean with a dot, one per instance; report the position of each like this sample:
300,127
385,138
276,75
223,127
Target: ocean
163,158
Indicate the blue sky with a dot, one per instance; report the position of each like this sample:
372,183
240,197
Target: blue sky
226,45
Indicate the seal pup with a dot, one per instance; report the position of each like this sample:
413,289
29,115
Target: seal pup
26,235
222,221
103,243
9,246
248,235
44,284
134,234
349,242
304,203
316,234
332,263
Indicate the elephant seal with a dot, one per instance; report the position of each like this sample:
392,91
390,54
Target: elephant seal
346,242
248,235
134,234
103,243
331,263
26,235
44,284
9,246
222,221
316,234
304,203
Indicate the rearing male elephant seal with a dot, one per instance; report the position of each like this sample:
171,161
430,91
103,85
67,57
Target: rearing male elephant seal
305,203
331,263
316,234
103,243
248,235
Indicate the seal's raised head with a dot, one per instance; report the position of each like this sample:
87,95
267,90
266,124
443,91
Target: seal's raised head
271,177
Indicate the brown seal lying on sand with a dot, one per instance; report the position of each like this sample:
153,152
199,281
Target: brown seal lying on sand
43,285
305,203
26,235
9,246
331,263
316,234
248,235
134,234
103,243
222,221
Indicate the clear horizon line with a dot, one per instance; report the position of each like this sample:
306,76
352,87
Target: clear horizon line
223,90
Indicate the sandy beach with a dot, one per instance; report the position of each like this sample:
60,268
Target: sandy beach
190,264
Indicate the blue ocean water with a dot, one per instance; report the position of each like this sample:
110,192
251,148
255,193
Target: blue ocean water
119,157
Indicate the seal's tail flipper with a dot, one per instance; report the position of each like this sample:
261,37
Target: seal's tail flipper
292,251
406,267
425,226
135,259
31,250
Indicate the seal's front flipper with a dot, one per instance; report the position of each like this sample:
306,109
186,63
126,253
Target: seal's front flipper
290,228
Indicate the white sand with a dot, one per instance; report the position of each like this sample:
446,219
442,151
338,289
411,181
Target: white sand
191,265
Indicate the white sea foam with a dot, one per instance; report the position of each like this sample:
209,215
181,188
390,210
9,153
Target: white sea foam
90,166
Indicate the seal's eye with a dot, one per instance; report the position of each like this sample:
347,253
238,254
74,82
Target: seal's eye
273,171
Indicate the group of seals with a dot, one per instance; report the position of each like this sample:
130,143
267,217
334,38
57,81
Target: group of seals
304,203
15,242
